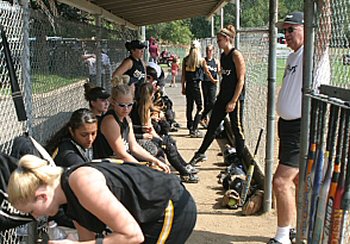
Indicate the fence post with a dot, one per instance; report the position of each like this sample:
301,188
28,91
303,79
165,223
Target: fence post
27,83
98,52
238,23
306,104
270,120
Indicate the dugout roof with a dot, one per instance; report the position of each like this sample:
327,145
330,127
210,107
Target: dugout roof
136,13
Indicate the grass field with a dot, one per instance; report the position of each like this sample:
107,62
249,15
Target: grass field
44,83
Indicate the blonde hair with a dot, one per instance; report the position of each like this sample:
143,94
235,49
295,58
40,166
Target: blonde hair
228,31
194,59
121,90
145,102
32,172
120,80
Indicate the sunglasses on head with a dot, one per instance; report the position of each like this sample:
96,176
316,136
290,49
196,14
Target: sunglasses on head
288,30
125,105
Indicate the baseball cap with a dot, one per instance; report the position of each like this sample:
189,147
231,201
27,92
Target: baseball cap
294,18
96,93
135,44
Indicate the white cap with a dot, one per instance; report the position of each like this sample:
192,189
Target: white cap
156,67
196,44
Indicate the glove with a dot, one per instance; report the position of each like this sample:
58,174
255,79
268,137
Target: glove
254,203
231,199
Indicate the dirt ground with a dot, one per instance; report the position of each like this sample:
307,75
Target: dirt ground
216,224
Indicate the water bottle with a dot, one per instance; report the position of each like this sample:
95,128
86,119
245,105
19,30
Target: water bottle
55,232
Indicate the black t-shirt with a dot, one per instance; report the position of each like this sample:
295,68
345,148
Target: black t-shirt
101,147
213,69
229,78
137,72
143,191
136,121
193,75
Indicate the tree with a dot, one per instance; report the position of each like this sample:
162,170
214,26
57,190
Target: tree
176,32
201,26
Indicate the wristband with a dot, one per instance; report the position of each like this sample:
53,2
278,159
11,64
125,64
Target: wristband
99,238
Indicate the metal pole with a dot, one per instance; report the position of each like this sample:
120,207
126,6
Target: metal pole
27,84
270,124
238,24
143,33
212,26
305,120
221,18
98,52
142,37
32,234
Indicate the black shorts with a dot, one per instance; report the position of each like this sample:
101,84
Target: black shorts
176,225
289,147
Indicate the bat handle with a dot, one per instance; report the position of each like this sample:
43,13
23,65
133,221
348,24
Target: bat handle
247,184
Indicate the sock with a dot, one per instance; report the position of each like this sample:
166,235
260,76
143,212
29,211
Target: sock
282,234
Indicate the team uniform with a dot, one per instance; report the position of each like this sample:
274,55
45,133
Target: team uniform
137,72
289,109
70,153
101,147
227,89
159,203
159,147
193,95
208,88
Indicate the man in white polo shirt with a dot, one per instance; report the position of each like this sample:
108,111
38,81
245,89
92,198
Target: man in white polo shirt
289,109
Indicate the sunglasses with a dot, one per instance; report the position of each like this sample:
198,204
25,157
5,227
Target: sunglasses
124,105
288,30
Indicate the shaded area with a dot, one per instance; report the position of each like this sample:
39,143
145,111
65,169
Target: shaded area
210,237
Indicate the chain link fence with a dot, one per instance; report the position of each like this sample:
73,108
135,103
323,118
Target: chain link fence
48,56
332,41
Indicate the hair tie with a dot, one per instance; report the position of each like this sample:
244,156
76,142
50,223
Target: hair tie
226,32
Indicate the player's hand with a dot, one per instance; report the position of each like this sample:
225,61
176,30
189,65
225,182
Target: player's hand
162,167
230,107
147,136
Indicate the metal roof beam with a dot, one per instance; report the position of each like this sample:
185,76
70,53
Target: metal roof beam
220,5
96,10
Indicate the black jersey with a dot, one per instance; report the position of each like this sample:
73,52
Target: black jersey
69,153
213,69
102,149
136,121
229,77
195,74
137,72
144,192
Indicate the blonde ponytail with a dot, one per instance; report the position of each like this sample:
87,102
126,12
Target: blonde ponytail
32,172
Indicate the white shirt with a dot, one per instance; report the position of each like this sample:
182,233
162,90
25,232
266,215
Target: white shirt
290,96
322,71
106,64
